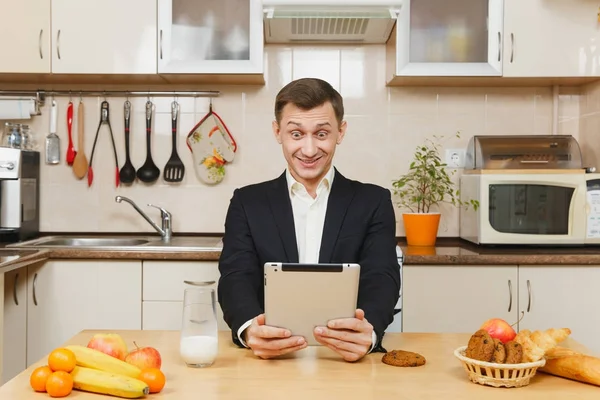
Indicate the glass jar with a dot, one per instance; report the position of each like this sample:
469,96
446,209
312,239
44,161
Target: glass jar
12,136
28,141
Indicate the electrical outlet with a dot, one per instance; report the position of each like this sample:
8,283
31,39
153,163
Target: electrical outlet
455,158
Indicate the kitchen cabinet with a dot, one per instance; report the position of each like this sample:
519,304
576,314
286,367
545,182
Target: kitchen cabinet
25,36
564,43
67,296
218,37
14,324
103,37
448,298
164,283
561,296
450,38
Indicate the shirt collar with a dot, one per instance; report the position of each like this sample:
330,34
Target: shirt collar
326,182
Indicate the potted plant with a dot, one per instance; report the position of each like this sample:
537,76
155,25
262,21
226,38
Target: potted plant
427,184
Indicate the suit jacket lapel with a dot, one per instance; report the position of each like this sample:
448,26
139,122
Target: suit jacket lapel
340,197
281,207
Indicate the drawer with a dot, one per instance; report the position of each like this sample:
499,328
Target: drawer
167,315
164,280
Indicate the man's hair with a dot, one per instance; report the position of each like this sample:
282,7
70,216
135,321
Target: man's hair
308,93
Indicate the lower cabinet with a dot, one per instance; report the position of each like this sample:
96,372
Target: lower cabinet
446,298
68,296
457,299
164,283
562,296
14,324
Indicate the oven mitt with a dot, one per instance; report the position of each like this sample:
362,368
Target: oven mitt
212,147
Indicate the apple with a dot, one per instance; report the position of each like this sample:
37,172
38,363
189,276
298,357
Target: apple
499,329
144,357
109,343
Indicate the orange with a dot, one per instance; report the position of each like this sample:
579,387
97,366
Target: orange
59,384
62,360
38,378
154,378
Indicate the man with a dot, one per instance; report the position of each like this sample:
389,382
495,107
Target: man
309,214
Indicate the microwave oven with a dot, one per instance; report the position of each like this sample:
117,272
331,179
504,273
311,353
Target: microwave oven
560,207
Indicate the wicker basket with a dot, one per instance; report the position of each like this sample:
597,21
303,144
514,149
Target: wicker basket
498,375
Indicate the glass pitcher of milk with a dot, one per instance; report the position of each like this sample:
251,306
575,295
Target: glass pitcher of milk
199,341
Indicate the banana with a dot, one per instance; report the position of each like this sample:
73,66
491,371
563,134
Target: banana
96,359
102,382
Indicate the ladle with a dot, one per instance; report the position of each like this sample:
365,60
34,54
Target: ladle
127,173
148,172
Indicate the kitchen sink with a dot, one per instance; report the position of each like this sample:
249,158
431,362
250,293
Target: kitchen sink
92,242
119,243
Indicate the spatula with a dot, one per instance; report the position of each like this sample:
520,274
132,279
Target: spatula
80,164
174,169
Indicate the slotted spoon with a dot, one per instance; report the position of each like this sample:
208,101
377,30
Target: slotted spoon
174,169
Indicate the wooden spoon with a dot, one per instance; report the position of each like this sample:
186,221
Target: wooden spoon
80,163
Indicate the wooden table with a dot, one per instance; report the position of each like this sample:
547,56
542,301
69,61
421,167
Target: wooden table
317,373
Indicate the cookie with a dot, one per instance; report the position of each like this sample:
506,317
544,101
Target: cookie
401,358
481,346
514,352
499,355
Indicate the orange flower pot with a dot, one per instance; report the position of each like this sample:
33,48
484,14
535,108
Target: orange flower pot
421,228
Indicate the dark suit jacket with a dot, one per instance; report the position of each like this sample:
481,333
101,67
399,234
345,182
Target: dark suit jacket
259,227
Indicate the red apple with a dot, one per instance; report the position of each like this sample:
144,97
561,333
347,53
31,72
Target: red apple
144,357
499,329
109,343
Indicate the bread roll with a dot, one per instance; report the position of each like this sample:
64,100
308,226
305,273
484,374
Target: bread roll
569,364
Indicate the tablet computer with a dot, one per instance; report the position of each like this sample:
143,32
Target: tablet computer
300,297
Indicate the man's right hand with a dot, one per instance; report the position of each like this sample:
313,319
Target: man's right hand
268,341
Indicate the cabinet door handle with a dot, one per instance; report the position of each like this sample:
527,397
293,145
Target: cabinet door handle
40,44
15,290
199,283
509,295
512,47
34,282
499,45
528,295
160,42
58,44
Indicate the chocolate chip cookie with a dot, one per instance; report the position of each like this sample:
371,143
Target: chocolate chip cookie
481,346
514,352
499,355
402,358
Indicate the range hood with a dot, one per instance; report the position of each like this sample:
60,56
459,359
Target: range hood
329,21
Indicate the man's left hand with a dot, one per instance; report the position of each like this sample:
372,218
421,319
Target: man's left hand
351,338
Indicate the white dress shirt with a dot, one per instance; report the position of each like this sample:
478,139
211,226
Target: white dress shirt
309,218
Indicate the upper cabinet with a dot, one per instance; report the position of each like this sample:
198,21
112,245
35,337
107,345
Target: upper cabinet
25,36
551,38
155,40
495,42
449,38
215,36
103,37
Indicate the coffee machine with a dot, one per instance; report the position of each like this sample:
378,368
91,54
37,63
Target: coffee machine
19,194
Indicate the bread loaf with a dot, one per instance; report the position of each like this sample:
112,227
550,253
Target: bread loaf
569,364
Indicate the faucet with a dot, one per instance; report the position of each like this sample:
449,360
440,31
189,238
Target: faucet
165,232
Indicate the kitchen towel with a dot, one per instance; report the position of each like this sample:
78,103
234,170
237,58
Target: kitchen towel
17,108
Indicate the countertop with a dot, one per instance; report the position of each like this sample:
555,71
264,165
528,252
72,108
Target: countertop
318,373
448,251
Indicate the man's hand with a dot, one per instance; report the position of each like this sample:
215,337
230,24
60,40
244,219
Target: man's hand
268,341
349,337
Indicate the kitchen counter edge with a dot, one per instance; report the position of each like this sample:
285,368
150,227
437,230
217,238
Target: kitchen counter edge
453,254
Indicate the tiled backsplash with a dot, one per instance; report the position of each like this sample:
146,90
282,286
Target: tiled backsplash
384,126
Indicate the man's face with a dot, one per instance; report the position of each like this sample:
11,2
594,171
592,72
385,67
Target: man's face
308,139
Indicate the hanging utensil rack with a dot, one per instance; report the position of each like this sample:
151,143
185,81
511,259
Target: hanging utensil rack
40,95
